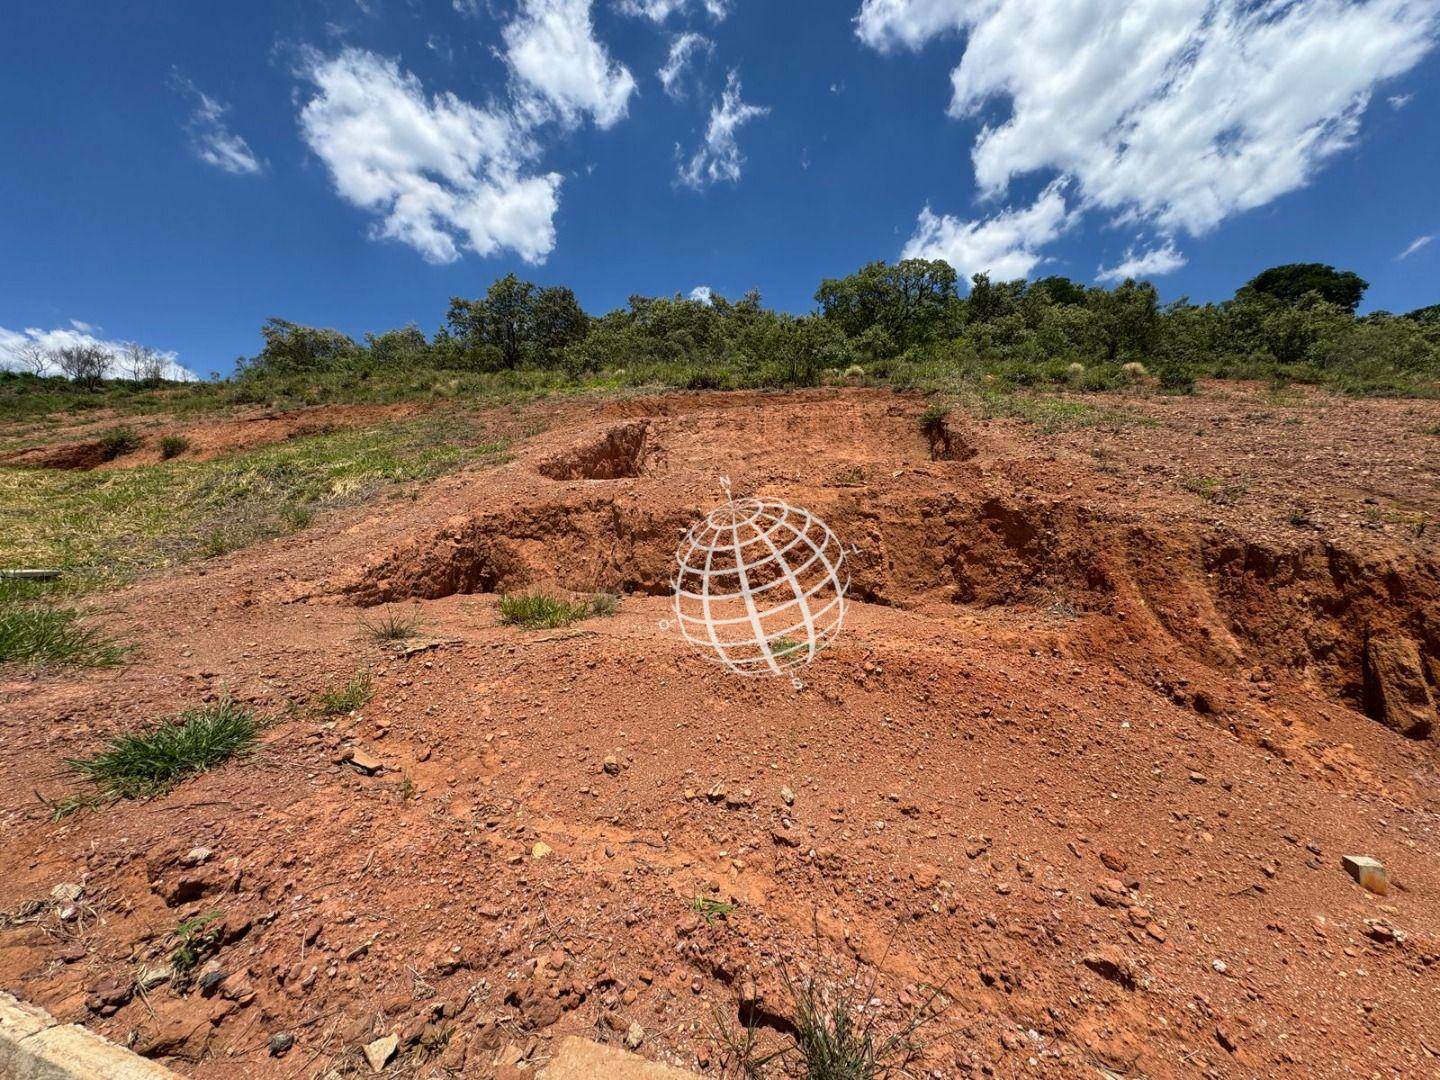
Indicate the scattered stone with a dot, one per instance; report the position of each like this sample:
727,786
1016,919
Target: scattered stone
151,977
280,1043
787,796
1113,862
380,1051
611,765
1113,965
786,836
196,855
1370,873
1396,692
365,763
1198,778
634,1036
67,893
540,850
737,800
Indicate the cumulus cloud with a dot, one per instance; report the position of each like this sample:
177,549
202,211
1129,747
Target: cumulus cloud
19,347
1172,113
210,135
1165,259
683,50
702,293
552,50
1399,101
1005,245
718,157
660,10
442,173
1415,245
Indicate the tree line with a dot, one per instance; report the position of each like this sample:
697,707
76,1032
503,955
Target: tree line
906,322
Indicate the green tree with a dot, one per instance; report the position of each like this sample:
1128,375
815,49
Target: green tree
1290,283
912,301
292,349
1128,318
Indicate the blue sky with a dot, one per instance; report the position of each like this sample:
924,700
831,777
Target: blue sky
175,173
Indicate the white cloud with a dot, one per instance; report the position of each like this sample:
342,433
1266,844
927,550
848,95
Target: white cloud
84,327
683,50
13,344
702,293
551,49
718,157
1172,113
443,173
1165,259
210,135
660,10
1399,101
1415,245
1005,245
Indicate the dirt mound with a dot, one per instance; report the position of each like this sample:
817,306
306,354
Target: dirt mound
1088,754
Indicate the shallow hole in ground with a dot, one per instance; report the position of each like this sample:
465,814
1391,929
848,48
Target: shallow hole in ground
620,452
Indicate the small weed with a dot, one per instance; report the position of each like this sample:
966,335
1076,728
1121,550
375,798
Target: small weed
172,446
836,1036
392,627
851,477
539,611
1214,490
932,420
193,942
782,646
407,789
347,698
117,442
60,809
154,761
297,517
1300,519
709,909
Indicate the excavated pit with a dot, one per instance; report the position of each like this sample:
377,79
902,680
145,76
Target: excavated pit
1309,608
619,453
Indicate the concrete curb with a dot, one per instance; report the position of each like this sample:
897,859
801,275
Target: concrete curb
36,1046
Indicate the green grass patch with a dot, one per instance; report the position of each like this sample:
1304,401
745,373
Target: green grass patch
353,695
116,523
172,446
194,940
1049,412
540,611
152,762
36,633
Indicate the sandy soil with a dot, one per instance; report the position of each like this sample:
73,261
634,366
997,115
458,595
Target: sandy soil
1087,755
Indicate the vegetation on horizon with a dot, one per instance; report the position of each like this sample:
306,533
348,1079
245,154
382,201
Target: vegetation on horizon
904,323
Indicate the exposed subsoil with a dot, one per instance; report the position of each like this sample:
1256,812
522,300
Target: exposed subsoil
1107,711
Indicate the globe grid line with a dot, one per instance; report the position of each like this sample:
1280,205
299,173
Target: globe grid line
722,537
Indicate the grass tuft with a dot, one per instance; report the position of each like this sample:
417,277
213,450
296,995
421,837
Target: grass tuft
172,446
152,762
392,627
709,909
540,611
35,633
117,442
347,698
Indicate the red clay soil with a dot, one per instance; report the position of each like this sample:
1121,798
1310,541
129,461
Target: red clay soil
1087,755
80,446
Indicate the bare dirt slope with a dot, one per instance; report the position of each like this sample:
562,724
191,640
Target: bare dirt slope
1088,754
